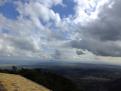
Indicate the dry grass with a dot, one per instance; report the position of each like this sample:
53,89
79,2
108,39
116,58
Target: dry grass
12,82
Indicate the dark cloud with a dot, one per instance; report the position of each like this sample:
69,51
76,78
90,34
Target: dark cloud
101,35
108,26
57,54
104,30
79,52
97,47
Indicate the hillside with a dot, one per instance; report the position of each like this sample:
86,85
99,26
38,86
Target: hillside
11,82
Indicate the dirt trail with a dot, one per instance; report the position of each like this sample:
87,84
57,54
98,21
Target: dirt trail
11,82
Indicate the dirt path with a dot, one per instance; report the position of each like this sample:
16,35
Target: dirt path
10,82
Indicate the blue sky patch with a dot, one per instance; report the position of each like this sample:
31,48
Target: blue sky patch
8,32
9,10
66,10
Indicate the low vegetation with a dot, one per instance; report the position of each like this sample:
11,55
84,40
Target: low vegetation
45,78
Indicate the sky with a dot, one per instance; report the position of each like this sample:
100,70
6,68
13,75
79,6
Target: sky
70,30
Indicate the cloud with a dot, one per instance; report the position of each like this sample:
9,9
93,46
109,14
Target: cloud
79,52
38,13
32,33
41,32
107,27
98,47
87,10
104,34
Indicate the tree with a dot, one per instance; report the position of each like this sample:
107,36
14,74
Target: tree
14,68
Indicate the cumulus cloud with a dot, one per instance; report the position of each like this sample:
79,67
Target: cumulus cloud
35,31
38,31
103,32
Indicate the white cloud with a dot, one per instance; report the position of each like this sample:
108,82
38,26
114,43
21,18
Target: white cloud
48,3
40,32
87,10
28,36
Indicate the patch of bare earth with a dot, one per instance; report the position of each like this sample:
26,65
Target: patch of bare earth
11,82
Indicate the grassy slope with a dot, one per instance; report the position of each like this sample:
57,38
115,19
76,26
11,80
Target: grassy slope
12,82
